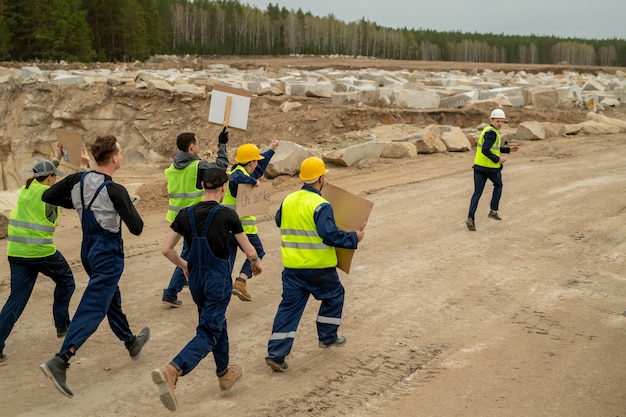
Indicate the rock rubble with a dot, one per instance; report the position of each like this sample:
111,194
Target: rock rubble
39,114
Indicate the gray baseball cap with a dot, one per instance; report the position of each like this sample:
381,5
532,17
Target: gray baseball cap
44,168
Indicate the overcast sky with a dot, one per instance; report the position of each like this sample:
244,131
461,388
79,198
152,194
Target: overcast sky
597,19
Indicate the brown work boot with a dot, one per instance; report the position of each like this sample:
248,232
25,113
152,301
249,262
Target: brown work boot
165,378
234,374
239,289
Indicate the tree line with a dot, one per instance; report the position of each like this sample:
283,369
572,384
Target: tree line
128,30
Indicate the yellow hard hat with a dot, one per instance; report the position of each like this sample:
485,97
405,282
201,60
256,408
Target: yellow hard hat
248,152
312,168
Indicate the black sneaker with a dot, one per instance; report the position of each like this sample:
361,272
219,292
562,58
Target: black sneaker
494,215
3,357
470,224
134,347
61,333
277,366
340,341
172,302
55,370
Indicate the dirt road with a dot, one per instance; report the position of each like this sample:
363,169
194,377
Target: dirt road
523,317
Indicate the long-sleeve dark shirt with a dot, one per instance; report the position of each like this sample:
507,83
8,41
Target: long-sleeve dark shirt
238,177
112,204
488,140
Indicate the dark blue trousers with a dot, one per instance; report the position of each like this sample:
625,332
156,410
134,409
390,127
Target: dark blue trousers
102,255
24,273
480,179
298,284
211,286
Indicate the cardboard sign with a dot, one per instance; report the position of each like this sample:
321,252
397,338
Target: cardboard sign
72,143
351,212
230,107
253,200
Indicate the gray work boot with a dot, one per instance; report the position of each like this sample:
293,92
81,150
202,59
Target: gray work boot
277,366
135,346
340,341
55,370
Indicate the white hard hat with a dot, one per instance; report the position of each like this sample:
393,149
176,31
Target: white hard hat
498,114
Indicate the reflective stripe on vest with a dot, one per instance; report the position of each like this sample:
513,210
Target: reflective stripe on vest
181,188
30,232
301,245
480,159
248,222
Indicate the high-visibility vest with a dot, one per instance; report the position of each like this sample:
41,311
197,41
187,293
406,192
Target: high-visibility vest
181,188
30,232
248,222
301,246
481,159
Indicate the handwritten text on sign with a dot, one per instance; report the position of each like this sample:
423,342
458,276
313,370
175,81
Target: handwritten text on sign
253,200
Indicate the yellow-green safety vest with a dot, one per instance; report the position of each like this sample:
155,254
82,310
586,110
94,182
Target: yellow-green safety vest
248,222
181,188
481,159
301,246
30,232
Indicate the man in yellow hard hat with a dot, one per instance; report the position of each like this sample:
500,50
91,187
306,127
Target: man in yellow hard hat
309,236
250,165
488,166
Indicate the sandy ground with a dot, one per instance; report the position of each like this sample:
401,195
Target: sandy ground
524,317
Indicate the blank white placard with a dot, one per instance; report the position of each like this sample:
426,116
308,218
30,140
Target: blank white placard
239,106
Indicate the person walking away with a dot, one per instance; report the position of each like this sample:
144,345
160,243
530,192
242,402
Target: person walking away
31,251
250,165
206,227
488,164
101,205
309,236
184,188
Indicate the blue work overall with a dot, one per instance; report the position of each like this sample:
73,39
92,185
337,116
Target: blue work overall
211,286
102,255
298,285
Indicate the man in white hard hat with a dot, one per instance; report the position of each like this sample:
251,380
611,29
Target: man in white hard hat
488,166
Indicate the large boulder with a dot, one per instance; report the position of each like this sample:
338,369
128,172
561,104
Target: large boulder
286,160
399,150
429,141
607,120
530,131
352,154
455,140
553,129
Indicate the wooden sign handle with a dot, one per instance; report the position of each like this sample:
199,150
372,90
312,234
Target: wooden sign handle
229,99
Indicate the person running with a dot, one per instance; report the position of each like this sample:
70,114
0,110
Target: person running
101,205
488,166
184,188
31,251
250,165
206,228
309,237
